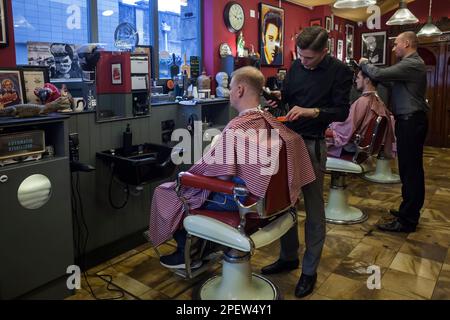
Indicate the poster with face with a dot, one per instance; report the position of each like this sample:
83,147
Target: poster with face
61,58
271,28
11,92
373,47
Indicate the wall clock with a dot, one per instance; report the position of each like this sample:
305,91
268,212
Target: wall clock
233,16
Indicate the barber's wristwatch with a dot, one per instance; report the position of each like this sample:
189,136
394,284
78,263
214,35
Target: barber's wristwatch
316,112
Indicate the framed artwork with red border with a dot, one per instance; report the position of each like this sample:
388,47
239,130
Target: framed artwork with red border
315,22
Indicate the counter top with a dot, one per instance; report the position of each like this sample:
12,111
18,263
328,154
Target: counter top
202,101
12,121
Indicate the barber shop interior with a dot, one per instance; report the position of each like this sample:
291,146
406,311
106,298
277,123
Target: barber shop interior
225,150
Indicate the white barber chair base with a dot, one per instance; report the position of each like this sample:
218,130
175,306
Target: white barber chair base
237,282
337,210
383,173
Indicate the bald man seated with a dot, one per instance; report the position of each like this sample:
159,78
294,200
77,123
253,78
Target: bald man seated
261,133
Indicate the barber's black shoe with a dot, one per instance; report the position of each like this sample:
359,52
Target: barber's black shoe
176,261
395,213
280,266
305,285
396,226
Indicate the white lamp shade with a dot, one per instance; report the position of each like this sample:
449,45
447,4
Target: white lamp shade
340,4
402,16
429,29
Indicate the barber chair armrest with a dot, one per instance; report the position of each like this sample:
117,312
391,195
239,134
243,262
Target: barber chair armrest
209,183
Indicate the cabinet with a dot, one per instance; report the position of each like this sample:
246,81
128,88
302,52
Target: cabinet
36,245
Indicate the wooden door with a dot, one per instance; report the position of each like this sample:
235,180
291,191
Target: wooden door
446,97
430,54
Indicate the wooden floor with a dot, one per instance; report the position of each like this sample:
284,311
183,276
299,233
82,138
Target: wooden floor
413,266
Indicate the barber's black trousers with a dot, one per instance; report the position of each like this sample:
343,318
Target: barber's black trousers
411,134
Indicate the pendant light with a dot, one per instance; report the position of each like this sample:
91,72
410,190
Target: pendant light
402,16
429,29
351,4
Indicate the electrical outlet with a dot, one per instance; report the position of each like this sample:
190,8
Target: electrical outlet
252,14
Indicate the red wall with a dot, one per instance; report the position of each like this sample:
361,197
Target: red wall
215,31
8,54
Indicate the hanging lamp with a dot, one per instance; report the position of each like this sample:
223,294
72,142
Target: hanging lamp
351,4
429,29
402,16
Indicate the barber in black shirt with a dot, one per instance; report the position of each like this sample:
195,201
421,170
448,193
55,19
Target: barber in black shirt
317,90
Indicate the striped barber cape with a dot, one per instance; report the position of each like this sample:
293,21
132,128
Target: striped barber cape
243,150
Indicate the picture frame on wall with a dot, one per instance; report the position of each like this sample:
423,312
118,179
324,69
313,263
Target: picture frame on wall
328,25
330,45
33,77
315,22
349,40
373,47
116,73
11,88
271,31
3,25
340,50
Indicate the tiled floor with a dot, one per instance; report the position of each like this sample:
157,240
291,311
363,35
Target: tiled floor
413,266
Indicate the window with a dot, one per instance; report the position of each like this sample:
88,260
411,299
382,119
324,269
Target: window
62,22
48,21
135,13
179,32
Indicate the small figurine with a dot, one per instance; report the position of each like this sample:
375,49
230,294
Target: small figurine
66,94
222,85
204,81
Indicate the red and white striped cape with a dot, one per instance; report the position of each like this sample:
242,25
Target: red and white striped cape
167,209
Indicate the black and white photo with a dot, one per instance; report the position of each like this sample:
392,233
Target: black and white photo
340,49
60,58
373,47
349,39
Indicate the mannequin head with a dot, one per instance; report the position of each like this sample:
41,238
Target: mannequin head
222,79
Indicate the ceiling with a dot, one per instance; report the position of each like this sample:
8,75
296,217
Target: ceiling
356,15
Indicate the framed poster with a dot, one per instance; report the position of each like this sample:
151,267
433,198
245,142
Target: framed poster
340,50
373,47
116,73
315,22
33,78
60,58
3,25
271,30
328,24
331,46
349,36
11,88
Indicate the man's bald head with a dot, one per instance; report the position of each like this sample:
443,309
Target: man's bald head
405,44
410,37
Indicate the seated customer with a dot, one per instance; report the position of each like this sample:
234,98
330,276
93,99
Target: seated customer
341,135
229,158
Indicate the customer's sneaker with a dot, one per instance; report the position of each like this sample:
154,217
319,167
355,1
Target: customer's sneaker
176,261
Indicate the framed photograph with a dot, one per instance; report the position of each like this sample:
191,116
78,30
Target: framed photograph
11,88
315,22
33,78
373,47
271,30
340,50
328,24
116,73
331,46
60,58
349,36
3,25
